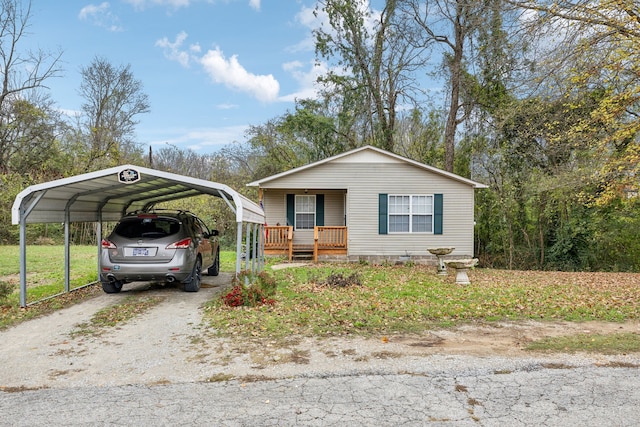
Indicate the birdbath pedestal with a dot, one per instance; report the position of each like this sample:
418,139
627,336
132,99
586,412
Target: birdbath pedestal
440,253
462,266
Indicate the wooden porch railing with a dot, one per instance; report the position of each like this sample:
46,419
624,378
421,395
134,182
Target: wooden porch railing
278,239
327,240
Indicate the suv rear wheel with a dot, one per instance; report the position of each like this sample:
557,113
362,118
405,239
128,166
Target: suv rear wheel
192,284
112,287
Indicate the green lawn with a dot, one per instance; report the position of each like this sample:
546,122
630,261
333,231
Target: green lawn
387,299
45,268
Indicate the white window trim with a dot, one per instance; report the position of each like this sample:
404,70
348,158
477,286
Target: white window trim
411,196
296,212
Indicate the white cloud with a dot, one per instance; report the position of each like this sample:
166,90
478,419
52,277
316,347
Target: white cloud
100,16
227,106
232,74
228,72
307,18
172,50
305,78
255,4
204,139
143,4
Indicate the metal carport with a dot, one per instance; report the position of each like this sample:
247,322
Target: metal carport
106,195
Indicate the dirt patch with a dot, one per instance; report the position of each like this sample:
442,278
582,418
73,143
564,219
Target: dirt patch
168,344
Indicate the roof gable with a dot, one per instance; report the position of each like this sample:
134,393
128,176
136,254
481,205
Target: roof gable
367,154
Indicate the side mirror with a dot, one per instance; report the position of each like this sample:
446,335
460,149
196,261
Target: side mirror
214,233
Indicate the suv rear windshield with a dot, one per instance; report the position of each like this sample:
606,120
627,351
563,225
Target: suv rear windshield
133,228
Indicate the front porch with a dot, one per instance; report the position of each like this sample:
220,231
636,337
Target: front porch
327,241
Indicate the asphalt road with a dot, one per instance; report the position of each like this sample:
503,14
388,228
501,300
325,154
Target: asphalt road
531,395
140,374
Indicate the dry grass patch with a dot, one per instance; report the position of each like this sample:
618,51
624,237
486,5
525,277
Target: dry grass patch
618,343
395,299
116,315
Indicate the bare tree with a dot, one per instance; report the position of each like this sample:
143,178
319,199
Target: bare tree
23,74
375,66
21,71
449,24
113,99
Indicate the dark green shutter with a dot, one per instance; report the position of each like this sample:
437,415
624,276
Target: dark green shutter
291,209
383,202
320,210
437,214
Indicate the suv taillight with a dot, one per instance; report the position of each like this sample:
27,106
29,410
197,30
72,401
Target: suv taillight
180,244
108,245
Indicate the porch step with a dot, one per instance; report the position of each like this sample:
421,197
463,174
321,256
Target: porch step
302,252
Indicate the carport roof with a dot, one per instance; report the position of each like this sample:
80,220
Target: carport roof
115,191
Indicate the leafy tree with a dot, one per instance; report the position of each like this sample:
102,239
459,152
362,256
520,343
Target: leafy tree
420,138
599,49
32,131
314,129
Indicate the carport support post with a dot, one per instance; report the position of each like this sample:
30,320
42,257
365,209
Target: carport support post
67,251
238,248
23,262
254,246
247,247
99,239
260,247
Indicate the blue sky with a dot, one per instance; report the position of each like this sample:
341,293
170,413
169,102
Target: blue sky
210,68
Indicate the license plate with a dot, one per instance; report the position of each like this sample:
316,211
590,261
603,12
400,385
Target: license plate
140,252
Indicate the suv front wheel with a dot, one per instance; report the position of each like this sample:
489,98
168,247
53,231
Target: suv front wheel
214,270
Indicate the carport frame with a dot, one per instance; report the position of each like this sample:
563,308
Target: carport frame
108,194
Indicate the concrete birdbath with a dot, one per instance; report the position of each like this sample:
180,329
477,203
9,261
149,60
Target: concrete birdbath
440,253
462,266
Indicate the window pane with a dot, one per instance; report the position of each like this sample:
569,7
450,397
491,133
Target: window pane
399,223
398,204
422,205
305,204
421,223
305,221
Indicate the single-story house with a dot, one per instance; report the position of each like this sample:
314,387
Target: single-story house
367,204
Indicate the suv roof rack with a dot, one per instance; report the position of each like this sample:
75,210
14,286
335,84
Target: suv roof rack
161,210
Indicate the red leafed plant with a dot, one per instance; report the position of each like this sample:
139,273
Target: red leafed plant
251,290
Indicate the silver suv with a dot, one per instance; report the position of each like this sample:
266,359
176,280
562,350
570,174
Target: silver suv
159,245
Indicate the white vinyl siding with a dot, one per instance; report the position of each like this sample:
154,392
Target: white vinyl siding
363,181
